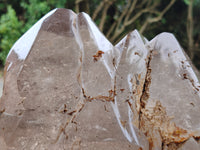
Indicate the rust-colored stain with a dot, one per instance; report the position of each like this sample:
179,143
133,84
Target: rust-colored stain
139,89
20,113
123,123
122,90
114,63
22,101
106,109
102,98
159,119
83,91
194,135
81,58
134,91
129,103
2,111
74,122
82,105
150,144
111,93
192,104
64,109
136,53
179,131
71,113
98,55
185,76
147,82
139,76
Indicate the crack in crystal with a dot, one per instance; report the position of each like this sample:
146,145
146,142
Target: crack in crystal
173,139
102,98
147,82
62,128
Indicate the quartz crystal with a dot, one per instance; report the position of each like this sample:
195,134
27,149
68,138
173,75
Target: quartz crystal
67,87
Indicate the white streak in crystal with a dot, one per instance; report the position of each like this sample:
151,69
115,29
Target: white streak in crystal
7,114
24,44
129,81
100,128
9,66
20,69
117,114
131,126
110,71
102,42
77,34
129,110
109,139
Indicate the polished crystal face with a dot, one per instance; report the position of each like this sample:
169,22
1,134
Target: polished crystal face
67,87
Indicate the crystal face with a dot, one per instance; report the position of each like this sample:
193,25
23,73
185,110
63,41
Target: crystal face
67,87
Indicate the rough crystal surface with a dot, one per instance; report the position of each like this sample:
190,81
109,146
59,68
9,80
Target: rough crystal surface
67,87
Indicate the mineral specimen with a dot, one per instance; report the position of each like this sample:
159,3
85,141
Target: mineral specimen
67,87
